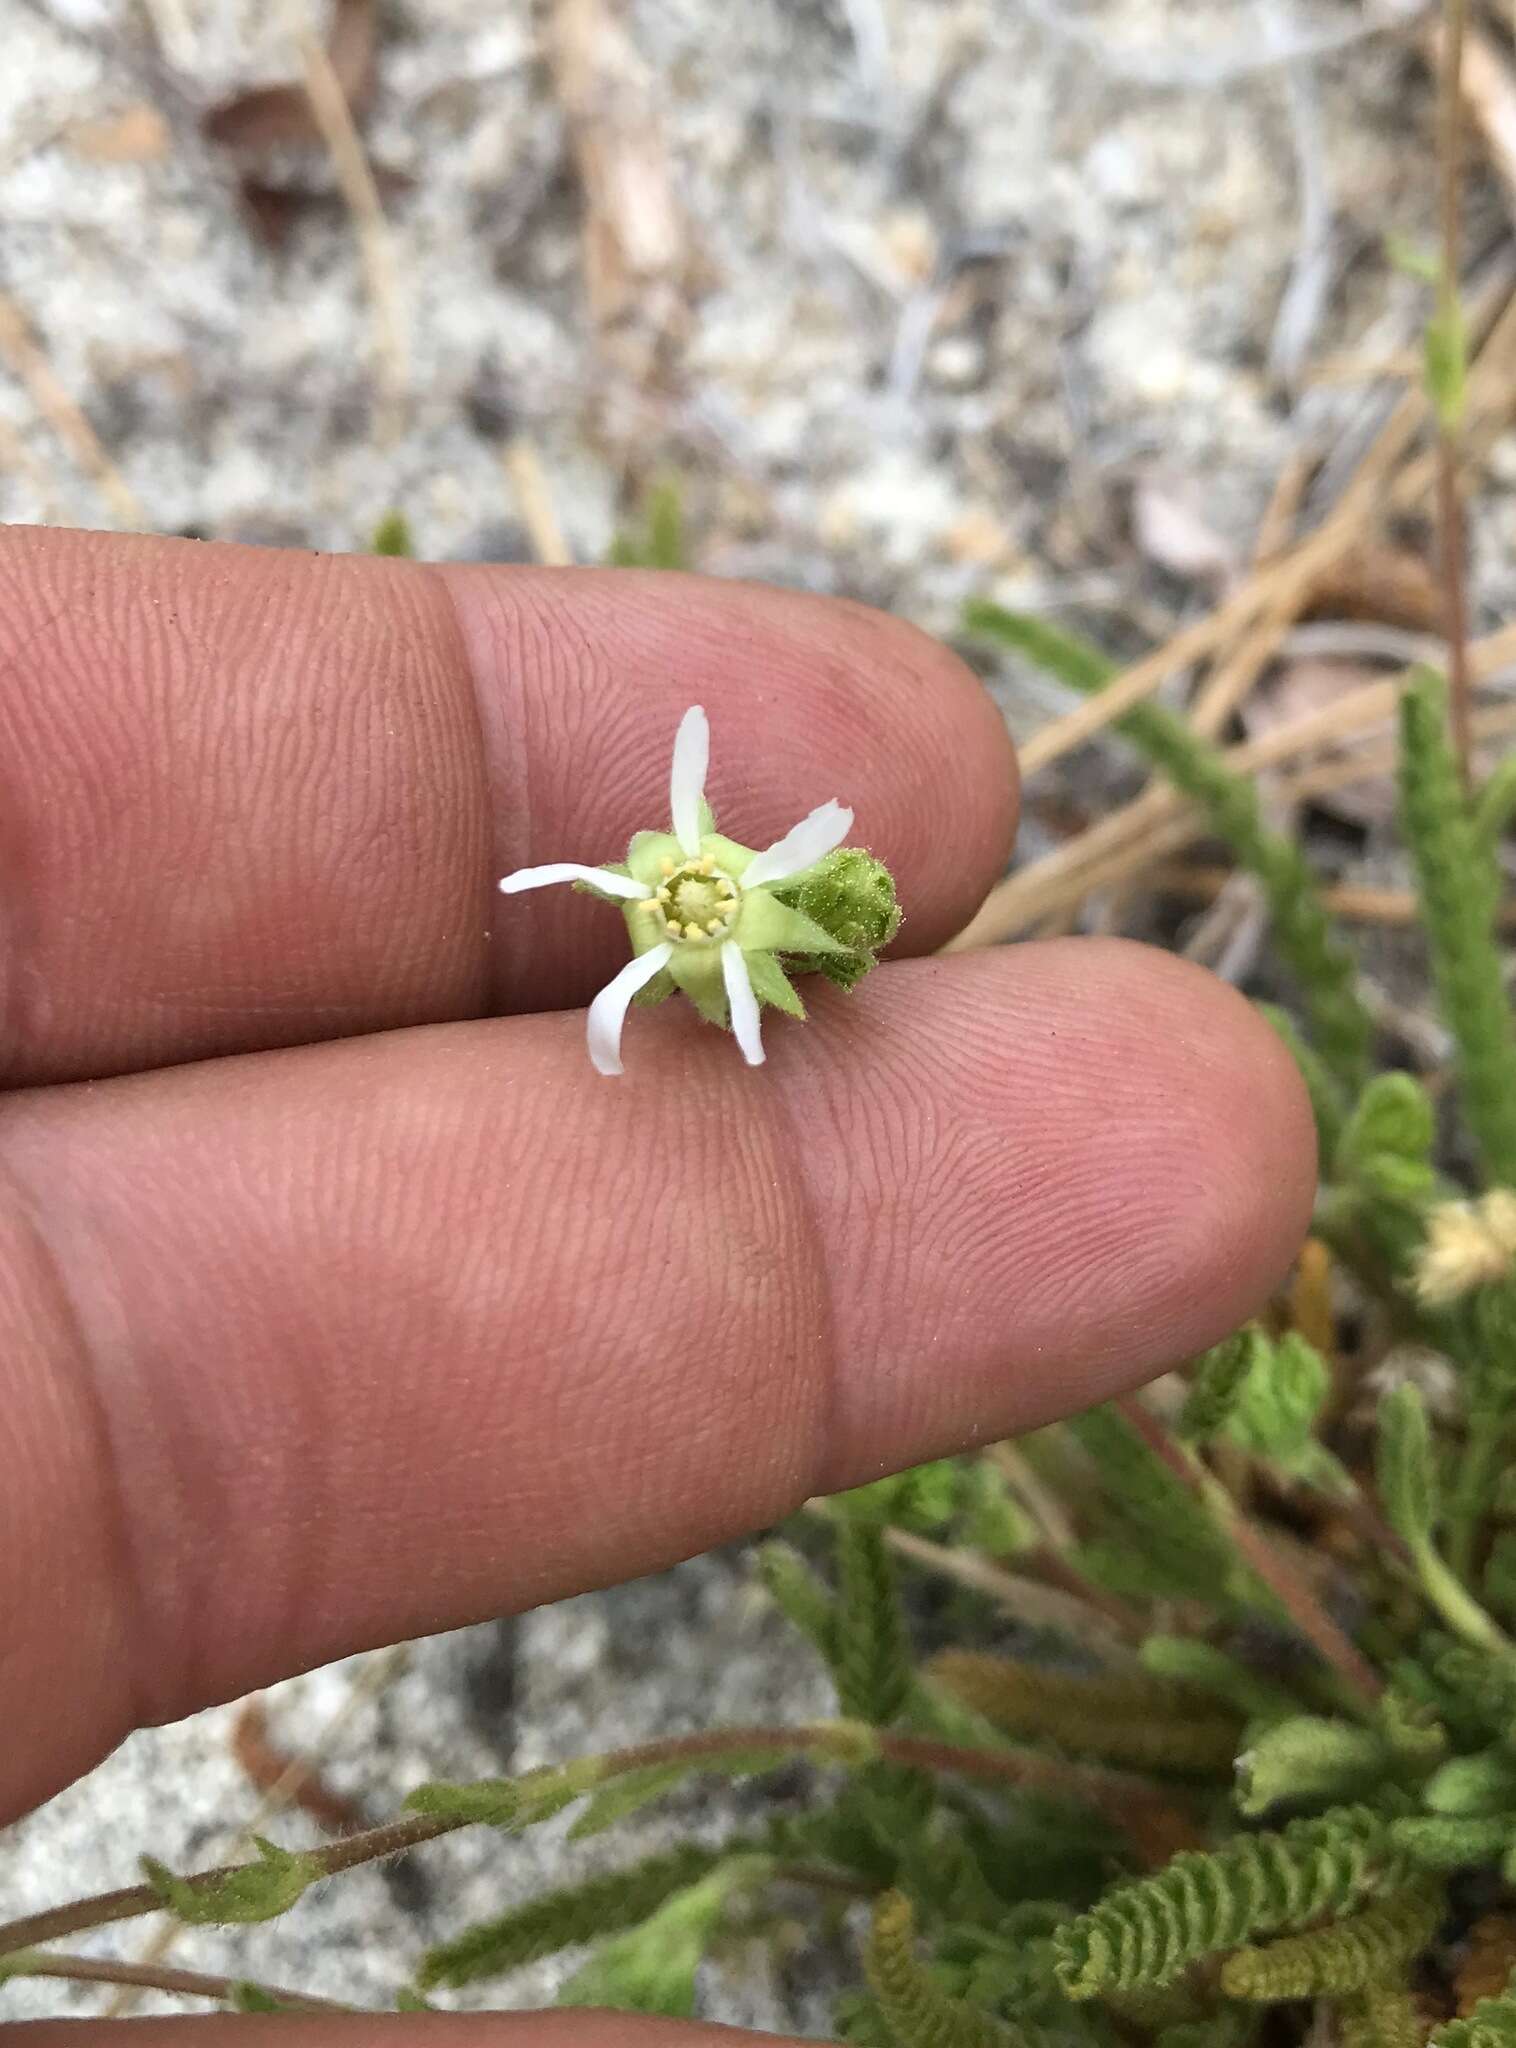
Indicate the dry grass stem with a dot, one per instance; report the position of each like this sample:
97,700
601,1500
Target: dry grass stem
29,365
534,502
376,246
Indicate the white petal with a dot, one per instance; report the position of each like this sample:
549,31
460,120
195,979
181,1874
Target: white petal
801,847
692,753
608,1010
573,871
746,1027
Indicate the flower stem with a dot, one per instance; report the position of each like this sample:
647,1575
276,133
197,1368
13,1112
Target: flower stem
1330,1641
156,1977
1457,1606
1133,1802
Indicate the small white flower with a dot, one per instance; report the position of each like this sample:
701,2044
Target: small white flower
700,910
1468,1245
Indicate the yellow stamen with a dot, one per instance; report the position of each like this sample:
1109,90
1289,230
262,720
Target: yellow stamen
715,927
676,930
706,866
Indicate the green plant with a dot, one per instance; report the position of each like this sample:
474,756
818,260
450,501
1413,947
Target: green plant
1265,1717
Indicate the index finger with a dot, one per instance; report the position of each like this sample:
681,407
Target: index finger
257,798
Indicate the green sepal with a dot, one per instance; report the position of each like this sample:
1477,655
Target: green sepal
697,970
409,2000
764,924
646,855
656,991
252,1891
772,985
731,858
611,867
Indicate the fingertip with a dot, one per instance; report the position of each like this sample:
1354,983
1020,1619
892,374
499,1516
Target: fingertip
1106,1164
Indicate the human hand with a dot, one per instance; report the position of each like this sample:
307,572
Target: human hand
364,1331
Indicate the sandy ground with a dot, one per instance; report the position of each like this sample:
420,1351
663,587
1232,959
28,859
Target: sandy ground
937,298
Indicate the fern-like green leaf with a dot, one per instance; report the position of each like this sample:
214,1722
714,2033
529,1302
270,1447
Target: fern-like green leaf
1375,1946
917,2010
1216,1384
1341,1026
1145,1933
872,1662
1460,891
561,1919
1131,1719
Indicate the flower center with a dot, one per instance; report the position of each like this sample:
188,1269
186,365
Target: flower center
696,903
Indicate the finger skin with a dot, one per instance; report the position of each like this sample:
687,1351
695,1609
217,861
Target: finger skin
255,798
315,1349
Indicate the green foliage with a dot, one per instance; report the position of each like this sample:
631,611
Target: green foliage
851,896
509,1803
251,1891
655,538
1127,1718
1407,1470
1329,1106
1167,1544
246,1996
1145,1933
872,1662
1216,1385
392,536
1460,892
1372,1947
1202,1668
557,1920
1393,1118
1308,1761
1492,2024
1482,1784
1446,362
914,2006
1341,1027
1276,1406
799,1595
652,1968
1383,2017
1454,1842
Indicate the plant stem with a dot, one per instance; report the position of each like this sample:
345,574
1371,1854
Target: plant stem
1134,1802
1289,1589
1457,1606
1450,518
157,1977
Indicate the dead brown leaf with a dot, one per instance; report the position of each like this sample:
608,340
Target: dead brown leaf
137,135
1389,586
279,116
